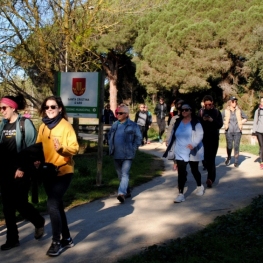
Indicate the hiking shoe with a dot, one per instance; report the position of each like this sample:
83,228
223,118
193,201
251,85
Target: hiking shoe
236,165
180,198
121,198
39,231
227,162
55,249
261,166
67,243
200,190
209,183
8,245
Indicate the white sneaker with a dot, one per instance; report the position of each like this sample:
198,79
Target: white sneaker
179,198
200,190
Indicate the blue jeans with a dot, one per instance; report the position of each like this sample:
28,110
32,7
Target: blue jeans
55,190
123,167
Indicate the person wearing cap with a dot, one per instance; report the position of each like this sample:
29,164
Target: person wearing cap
186,136
211,120
160,111
15,180
257,130
124,139
234,118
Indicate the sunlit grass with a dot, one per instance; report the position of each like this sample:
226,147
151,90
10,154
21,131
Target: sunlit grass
232,238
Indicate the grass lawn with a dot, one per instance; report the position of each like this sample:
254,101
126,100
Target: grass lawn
233,238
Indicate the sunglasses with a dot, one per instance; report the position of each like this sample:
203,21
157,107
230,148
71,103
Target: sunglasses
208,104
185,110
120,113
52,107
4,108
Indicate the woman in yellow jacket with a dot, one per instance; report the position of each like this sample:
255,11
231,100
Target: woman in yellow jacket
59,143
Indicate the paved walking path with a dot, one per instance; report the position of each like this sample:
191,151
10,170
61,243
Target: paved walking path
105,230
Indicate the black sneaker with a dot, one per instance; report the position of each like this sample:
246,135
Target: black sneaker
55,249
209,183
227,162
8,245
121,198
39,232
67,243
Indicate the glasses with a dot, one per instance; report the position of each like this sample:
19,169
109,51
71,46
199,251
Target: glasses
4,108
142,107
52,107
120,113
208,104
186,110
233,101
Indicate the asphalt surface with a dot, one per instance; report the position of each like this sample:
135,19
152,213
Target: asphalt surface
105,230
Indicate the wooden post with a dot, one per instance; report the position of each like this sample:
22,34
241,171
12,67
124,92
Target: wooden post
100,133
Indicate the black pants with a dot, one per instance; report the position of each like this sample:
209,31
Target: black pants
233,137
181,167
210,151
260,142
145,134
15,198
55,190
161,125
142,129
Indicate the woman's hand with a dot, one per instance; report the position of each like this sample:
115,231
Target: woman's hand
19,174
190,146
37,164
56,144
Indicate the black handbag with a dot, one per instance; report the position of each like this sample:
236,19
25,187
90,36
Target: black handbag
50,171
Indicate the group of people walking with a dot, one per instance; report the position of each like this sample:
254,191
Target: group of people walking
196,138
52,147
190,139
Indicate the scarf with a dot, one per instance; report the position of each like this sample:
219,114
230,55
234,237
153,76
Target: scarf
52,123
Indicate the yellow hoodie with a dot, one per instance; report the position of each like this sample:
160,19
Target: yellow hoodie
66,135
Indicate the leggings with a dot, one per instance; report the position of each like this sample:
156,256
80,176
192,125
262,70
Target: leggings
260,142
181,166
233,137
161,124
55,190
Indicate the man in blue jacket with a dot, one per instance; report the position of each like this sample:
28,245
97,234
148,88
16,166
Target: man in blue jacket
124,139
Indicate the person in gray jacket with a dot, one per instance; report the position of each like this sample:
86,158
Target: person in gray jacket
124,139
258,130
234,118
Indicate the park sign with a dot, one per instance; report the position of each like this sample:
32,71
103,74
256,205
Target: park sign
79,92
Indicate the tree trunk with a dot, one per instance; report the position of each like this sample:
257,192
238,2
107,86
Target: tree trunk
113,95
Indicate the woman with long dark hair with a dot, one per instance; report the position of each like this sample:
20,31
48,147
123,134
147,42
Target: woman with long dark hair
59,145
186,136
